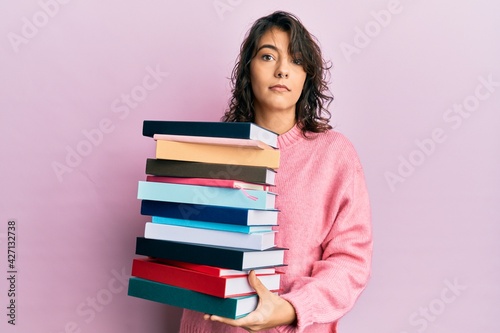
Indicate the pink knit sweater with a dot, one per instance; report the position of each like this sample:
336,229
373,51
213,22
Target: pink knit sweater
325,222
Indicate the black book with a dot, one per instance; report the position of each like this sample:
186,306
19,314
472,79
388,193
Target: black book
172,168
235,130
225,257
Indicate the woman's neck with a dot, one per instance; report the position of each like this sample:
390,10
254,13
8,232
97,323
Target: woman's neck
276,123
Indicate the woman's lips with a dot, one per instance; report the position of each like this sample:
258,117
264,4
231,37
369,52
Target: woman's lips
279,87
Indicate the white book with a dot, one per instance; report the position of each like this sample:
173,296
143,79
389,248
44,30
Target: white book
254,241
238,286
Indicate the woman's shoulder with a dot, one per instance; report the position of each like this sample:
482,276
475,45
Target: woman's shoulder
329,140
333,138
337,146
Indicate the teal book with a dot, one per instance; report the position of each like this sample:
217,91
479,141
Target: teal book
211,225
235,307
206,195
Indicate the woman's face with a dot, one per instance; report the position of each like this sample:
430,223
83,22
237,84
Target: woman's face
277,77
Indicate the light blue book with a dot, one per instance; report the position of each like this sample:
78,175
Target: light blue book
211,225
206,195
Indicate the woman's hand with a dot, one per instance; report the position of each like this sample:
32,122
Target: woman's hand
271,310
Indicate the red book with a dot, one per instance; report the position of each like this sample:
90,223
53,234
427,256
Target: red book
219,286
215,271
208,182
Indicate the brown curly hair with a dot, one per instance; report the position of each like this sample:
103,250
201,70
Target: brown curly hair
311,113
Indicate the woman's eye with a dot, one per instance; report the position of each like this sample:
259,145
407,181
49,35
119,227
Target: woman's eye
297,61
267,57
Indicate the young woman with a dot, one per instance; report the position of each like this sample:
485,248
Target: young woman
280,84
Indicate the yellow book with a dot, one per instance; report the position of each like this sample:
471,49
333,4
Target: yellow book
219,154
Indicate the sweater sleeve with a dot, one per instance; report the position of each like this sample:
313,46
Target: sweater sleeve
337,280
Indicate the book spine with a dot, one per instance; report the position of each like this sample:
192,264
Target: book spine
180,277
195,152
193,253
214,214
218,256
173,168
237,130
191,194
218,286
210,225
205,213
247,143
215,271
194,128
208,182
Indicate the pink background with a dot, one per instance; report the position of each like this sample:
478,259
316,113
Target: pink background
67,67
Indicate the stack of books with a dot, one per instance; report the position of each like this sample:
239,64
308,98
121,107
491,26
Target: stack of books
213,217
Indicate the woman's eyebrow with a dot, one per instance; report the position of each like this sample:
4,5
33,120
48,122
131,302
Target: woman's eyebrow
269,46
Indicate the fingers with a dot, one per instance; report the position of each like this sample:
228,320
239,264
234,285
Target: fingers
245,323
219,319
253,319
256,284
224,320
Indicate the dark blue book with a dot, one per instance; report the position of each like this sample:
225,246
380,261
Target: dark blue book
235,130
206,213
